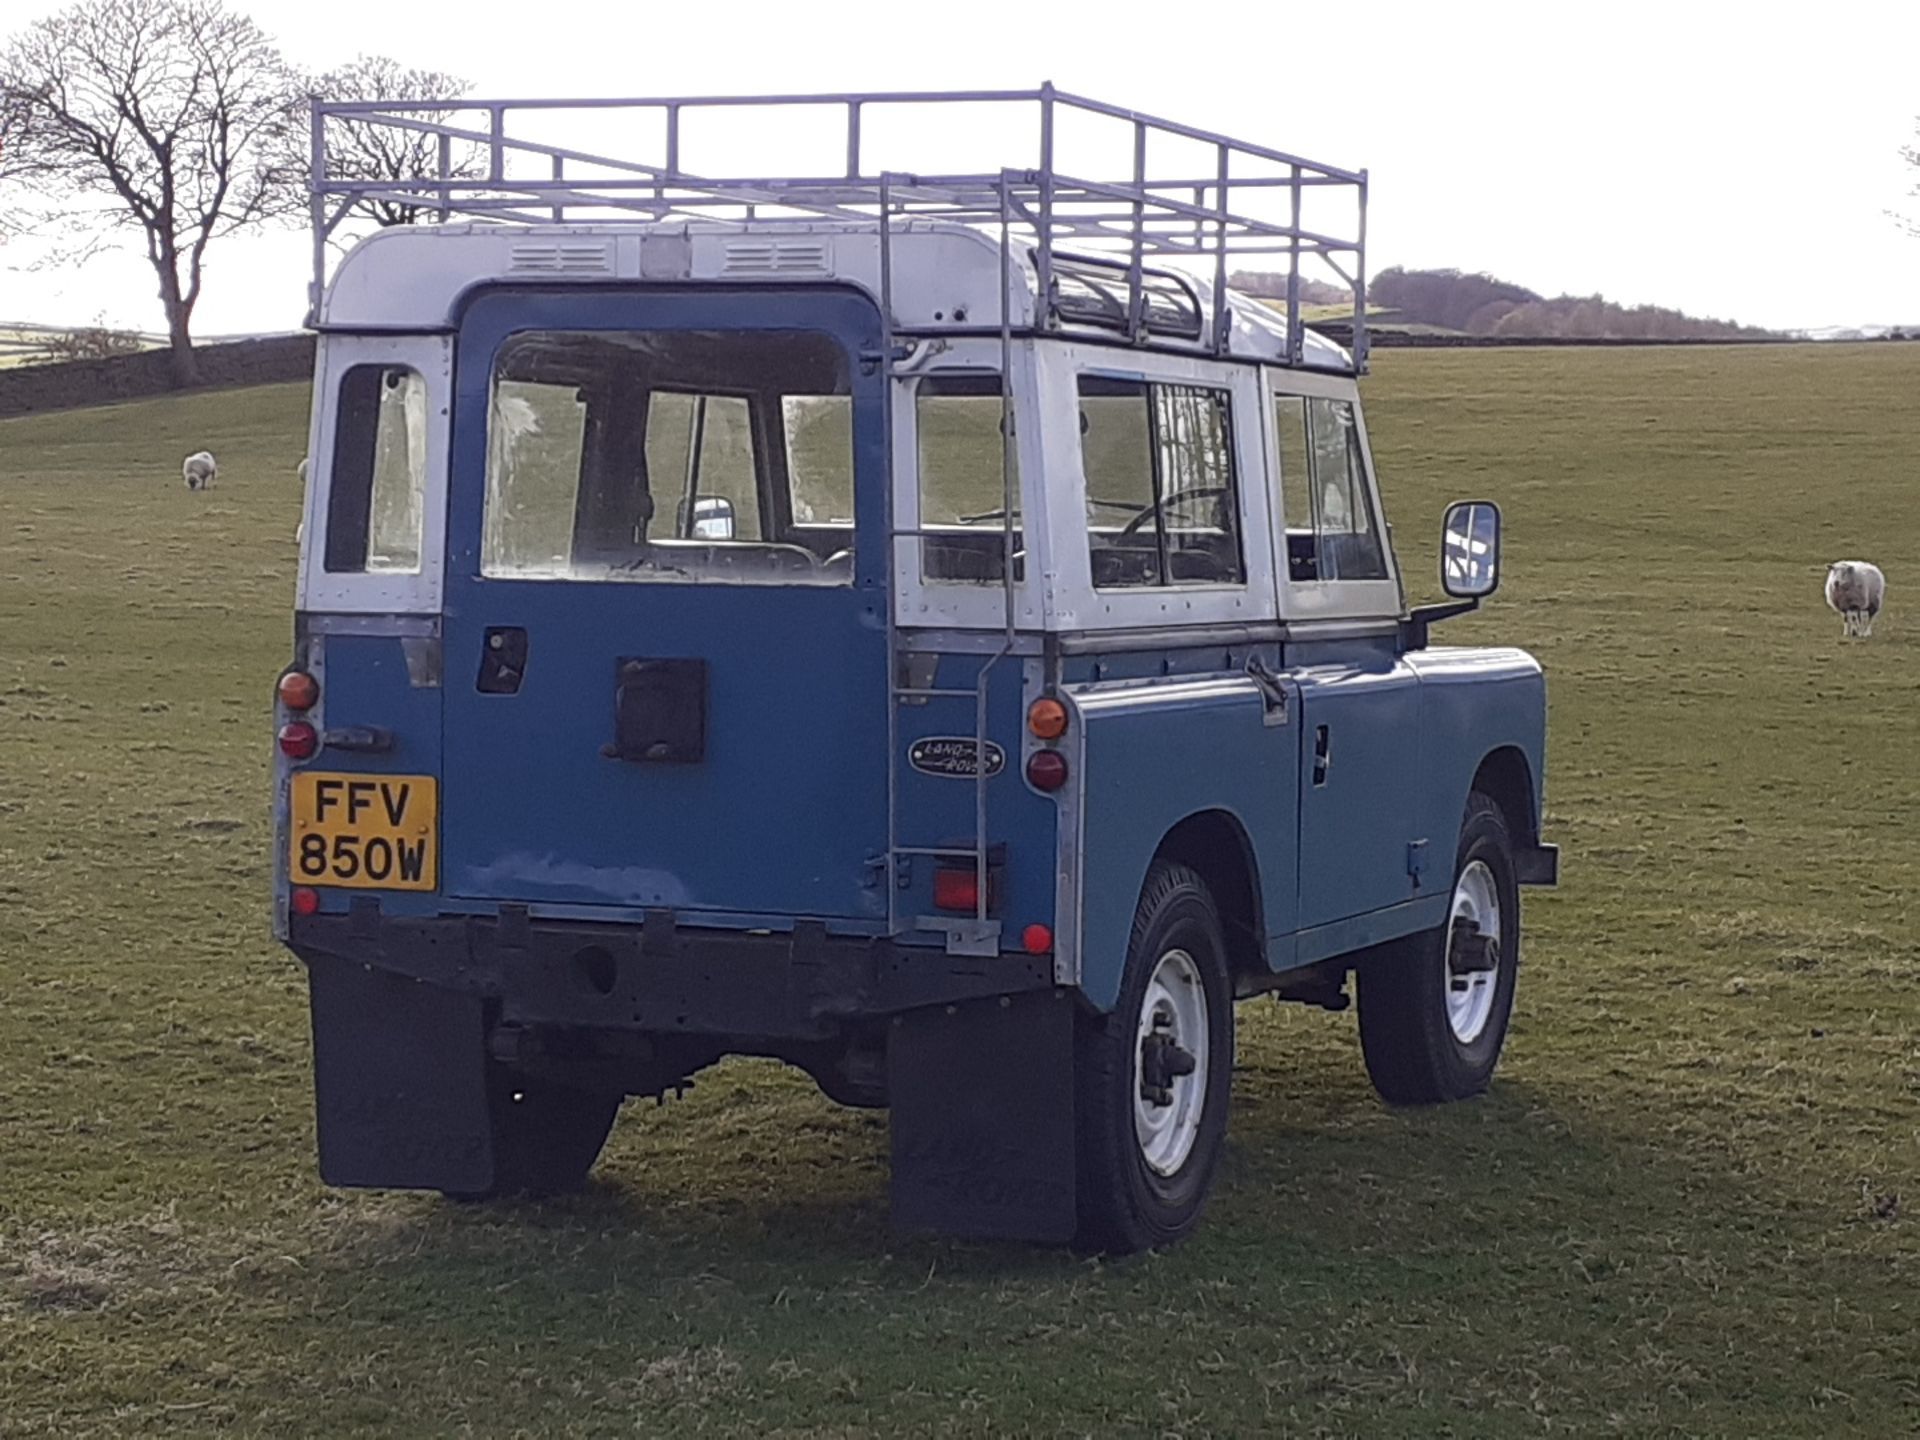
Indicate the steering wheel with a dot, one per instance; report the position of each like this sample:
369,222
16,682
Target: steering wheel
1178,497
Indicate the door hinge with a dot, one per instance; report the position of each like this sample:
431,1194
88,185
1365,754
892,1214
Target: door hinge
1416,859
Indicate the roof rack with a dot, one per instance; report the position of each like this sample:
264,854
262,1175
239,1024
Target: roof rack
403,160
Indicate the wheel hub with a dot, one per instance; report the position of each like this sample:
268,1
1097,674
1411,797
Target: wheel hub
1474,952
1163,1060
1172,1056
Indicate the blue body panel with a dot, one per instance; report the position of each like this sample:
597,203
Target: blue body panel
937,811
1356,809
1154,753
787,812
1475,703
1338,866
365,681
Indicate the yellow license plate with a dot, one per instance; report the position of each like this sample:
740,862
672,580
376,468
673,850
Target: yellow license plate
372,832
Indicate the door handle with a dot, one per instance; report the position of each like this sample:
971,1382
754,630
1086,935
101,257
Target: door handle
1322,754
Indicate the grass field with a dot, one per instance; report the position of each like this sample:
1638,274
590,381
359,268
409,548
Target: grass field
1689,1205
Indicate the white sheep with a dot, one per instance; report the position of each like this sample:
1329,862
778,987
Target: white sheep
1856,590
199,470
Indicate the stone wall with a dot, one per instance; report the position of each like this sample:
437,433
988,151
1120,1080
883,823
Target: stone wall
70,384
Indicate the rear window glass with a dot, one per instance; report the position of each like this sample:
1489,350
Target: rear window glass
963,461
678,457
375,493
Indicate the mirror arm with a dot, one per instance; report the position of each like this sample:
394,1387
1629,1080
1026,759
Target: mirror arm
1415,624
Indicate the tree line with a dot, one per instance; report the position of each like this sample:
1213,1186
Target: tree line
180,122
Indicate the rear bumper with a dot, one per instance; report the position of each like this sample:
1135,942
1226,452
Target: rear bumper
661,977
1537,865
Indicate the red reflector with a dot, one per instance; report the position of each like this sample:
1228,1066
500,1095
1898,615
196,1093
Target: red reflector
1037,938
298,690
298,740
1047,770
305,901
956,890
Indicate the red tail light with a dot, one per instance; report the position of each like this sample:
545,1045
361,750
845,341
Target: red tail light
298,690
298,740
1047,770
304,901
1037,938
956,890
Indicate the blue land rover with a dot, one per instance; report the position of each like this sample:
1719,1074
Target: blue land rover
925,628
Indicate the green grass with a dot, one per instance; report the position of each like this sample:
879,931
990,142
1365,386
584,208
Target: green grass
1687,1207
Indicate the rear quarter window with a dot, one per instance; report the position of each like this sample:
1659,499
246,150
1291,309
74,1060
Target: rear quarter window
375,496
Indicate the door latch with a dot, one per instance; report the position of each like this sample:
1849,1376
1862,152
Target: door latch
1322,754
1273,691
503,660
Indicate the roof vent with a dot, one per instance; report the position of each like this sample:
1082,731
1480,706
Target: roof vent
561,258
776,257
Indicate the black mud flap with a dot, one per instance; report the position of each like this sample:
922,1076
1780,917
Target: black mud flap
982,1123
399,1081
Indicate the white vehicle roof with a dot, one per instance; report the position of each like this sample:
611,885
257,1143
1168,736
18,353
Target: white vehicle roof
945,276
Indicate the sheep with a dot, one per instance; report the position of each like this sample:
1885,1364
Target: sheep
1855,591
199,469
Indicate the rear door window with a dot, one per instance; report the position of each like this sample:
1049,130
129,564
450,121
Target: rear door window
677,457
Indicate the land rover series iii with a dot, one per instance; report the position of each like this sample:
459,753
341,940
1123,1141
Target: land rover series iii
922,627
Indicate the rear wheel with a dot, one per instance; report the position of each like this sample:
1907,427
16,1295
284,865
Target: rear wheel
545,1136
1154,1074
1433,1017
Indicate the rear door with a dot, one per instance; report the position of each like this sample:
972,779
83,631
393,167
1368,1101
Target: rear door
665,634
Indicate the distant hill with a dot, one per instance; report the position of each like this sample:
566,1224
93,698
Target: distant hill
1480,304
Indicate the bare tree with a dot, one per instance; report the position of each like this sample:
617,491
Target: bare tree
168,117
364,150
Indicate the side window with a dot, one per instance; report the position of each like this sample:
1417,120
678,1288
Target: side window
1162,505
700,451
962,485
1332,531
375,495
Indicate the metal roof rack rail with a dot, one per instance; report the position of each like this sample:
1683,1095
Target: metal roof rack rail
1089,238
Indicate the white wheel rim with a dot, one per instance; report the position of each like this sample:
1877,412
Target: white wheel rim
1173,1011
1476,899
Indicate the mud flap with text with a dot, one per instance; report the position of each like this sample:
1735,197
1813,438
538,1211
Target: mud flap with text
399,1081
982,1122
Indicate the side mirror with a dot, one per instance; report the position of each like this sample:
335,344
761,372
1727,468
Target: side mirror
712,518
1470,549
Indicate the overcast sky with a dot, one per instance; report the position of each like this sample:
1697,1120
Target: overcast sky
1732,161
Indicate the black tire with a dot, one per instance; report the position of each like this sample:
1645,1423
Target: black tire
545,1136
1125,1203
1414,1055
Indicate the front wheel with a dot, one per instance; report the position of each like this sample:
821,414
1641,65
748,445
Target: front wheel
1154,1074
1434,1014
